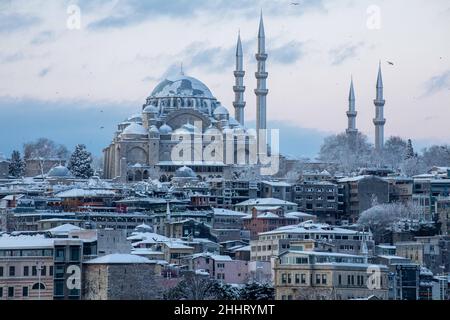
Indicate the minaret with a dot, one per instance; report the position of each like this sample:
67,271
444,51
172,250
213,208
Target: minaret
261,76
239,89
379,120
351,113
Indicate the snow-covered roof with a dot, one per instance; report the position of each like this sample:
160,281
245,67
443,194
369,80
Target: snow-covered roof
79,193
354,179
176,245
311,228
277,183
65,228
299,214
215,257
119,258
25,242
265,202
226,212
144,226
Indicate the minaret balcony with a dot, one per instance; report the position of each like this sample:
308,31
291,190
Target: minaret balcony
239,104
239,88
261,92
261,56
261,75
379,102
379,122
352,114
239,73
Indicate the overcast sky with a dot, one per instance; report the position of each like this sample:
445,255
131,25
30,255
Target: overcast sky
66,84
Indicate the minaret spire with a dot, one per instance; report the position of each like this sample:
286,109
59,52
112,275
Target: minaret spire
261,90
351,113
239,89
379,120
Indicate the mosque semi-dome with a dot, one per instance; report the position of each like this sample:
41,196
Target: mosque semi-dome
134,129
165,129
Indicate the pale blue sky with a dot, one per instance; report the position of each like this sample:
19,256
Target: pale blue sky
55,81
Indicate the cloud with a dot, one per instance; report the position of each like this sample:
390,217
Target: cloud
42,37
438,83
132,12
10,58
12,22
288,53
344,52
44,72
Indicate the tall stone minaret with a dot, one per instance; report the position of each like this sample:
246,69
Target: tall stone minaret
261,76
379,120
351,113
239,89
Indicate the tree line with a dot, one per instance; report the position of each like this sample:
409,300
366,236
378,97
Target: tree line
79,162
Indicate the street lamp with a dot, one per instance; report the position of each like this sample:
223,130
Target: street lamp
39,269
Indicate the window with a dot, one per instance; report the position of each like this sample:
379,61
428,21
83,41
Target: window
324,279
12,271
34,271
38,286
59,288
25,292
340,279
60,254
1,271
303,278
74,253
283,278
317,278
289,280
10,292
59,272
43,271
297,278
26,271
1,292
50,271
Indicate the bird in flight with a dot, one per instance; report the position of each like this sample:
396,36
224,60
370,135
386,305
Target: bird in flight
391,63
295,3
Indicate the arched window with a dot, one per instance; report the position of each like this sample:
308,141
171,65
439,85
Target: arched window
38,286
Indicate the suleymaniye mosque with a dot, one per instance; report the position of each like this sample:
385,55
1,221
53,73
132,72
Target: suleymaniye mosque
181,112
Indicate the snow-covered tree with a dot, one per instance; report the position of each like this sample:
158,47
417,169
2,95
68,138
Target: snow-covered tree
347,154
394,152
384,217
195,287
413,166
17,165
46,149
80,163
255,291
436,156
409,151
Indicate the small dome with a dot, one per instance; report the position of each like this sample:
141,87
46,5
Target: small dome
135,129
185,172
59,172
154,129
150,109
165,129
134,118
212,130
221,111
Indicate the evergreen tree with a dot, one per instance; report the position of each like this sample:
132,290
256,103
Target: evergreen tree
17,165
257,292
409,150
80,163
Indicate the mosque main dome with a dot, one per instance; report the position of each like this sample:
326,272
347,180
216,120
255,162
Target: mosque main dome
181,86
